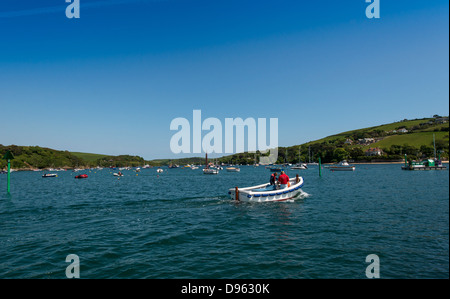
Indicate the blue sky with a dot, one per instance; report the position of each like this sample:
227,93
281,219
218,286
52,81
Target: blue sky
112,81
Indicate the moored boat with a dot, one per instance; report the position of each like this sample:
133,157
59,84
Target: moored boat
267,192
49,175
300,166
233,169
209,169
427,164
82,176
276,169
342,166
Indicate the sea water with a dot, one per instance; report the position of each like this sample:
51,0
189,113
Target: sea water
181,224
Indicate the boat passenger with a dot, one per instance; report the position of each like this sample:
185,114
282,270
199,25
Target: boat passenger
283,179
273,179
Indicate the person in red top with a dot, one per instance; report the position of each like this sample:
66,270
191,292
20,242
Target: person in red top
283,179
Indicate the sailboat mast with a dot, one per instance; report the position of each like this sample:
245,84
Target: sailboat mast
309,153
299,156
434,145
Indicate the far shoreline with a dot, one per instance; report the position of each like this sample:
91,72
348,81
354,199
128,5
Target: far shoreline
87,169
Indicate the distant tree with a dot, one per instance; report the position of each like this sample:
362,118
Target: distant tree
340,154
355,153
427,151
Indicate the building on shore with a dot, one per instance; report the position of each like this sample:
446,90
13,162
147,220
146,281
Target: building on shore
373,152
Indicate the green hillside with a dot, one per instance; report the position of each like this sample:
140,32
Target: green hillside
416,126
416,139
32,157
88,156
35,157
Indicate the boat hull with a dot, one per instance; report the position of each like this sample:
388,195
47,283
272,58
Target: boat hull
424,168
254,194
342,168
210,171
50,176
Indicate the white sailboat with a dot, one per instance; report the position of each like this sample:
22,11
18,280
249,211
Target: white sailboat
300,165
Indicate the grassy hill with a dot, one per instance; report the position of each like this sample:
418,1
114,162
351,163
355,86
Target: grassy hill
416,142
414,126
416,139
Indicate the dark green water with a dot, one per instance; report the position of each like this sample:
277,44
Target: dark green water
183,225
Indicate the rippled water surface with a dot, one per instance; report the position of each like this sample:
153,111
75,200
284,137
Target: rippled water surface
183,225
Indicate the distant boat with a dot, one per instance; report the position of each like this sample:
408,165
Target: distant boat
210,171
276,169
300,166
267,192
49,175
233,169
82,176
207,169
342,166
159,170
427,164
118,174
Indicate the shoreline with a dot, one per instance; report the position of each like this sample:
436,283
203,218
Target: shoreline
368,163
71,168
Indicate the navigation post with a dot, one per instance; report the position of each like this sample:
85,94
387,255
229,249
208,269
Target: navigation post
8,156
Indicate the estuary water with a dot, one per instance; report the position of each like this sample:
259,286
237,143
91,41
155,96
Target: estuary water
181,224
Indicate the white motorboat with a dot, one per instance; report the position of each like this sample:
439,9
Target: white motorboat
159,170
233,169
342,166
49,175
300,166
210,171
267,192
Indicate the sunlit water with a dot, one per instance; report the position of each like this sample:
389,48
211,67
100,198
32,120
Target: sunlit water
182,224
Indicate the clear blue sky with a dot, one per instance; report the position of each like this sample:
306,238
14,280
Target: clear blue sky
112,81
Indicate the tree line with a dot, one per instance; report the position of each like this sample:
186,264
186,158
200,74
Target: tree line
35,157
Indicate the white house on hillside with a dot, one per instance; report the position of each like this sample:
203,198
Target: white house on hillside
374,152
